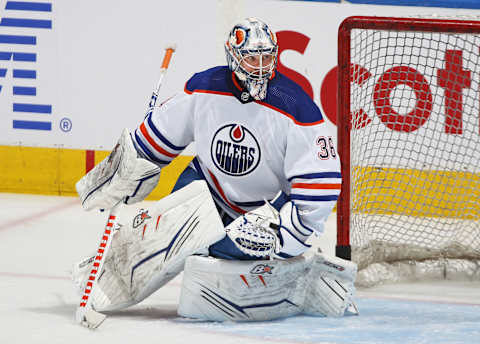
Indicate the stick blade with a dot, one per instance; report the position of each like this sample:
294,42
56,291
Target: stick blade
89,318
352,309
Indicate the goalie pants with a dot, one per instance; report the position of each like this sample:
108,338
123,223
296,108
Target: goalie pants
224,248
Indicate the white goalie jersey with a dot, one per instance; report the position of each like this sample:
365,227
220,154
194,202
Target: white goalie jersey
248,150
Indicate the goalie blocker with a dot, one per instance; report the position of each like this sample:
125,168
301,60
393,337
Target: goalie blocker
123,175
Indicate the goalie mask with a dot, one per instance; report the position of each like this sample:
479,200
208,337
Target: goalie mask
251,51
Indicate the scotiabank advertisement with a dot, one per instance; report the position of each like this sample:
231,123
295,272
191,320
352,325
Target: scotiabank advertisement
73,74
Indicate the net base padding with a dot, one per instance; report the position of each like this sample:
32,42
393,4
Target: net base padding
383,262
380,252
412,271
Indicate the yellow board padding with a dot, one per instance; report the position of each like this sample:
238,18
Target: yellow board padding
50,171
456,194
453,194
100,155
54,171
169,176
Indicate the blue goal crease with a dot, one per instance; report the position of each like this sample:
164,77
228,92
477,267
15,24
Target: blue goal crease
380,321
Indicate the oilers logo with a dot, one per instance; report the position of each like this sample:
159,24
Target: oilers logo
234,150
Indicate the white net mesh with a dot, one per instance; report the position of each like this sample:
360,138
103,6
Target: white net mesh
415,149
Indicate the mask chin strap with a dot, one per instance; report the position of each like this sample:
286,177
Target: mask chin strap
257,88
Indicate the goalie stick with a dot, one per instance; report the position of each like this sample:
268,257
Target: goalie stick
85,315
169,50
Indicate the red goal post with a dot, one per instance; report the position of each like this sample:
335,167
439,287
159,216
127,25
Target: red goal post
409,139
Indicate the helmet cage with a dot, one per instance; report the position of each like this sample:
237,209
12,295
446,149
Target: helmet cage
251,51
257,64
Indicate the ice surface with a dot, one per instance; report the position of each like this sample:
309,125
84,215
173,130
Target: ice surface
41,236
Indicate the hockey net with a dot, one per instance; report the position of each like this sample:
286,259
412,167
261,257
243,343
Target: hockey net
409,139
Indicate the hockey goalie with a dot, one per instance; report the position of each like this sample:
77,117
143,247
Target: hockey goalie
264,179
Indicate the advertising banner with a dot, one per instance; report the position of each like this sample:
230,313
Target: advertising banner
73,74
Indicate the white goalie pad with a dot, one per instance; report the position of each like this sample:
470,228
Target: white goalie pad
152,247
224,290
121,175
330,288
221,290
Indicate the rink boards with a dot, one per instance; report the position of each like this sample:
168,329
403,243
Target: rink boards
54,171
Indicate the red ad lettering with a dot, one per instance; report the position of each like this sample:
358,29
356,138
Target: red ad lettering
292,40
402,75
453,78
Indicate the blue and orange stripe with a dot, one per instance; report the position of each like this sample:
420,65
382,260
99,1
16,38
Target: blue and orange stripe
317,186
147,151
224,197
159,135
152,142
